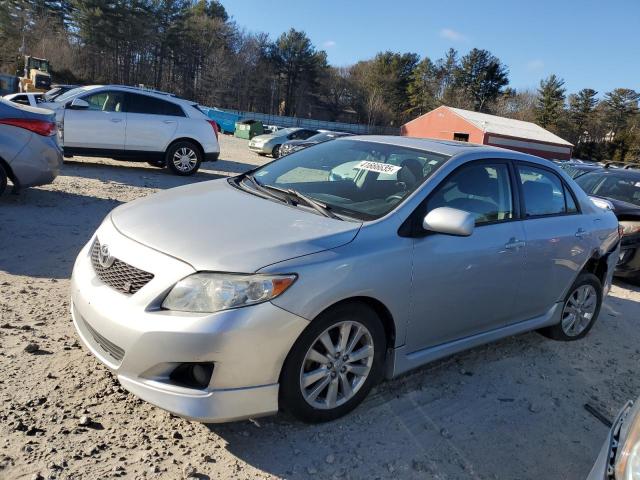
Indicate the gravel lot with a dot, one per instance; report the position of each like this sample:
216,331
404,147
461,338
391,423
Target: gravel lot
509,410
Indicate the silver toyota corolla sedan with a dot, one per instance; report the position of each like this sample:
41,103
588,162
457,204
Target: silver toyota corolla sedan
297,286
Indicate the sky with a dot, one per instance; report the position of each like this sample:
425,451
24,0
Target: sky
590,44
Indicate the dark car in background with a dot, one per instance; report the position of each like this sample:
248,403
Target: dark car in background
295,145
621,187
575,169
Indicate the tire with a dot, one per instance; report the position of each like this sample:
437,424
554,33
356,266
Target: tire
176,161
3,179
157,163
584,299
275,153
335,373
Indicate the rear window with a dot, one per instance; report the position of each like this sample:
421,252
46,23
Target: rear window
146,104
618,187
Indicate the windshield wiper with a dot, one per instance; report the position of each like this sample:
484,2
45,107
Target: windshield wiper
288,193
267,190
316,205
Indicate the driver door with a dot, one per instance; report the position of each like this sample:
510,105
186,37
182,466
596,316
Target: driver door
99,127
463,286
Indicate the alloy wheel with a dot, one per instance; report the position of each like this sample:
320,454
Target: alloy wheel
185,159
579,310
336,365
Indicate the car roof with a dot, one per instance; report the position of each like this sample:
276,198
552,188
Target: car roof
144,91
443,147
632,173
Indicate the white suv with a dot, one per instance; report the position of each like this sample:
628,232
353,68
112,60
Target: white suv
129,123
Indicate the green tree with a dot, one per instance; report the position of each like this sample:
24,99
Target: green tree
623,121
482,77
551,96
297,62
424,88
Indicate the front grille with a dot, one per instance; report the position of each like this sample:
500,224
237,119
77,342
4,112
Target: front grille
113,350
119,275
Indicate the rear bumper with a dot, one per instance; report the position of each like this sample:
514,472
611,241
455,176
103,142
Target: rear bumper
629,259
38,163
211,157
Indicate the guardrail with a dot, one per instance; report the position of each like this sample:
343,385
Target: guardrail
282,121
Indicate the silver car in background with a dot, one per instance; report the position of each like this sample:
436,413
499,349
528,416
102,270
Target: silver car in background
29,150
270,144
306,288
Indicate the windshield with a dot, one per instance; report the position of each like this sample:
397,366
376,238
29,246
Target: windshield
618,187
70,94
359,179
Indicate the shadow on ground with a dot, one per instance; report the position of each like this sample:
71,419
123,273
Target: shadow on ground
485,413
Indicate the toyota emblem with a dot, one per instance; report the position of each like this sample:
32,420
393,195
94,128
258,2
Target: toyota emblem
104,258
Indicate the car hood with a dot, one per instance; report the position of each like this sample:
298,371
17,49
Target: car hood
262,138
215,226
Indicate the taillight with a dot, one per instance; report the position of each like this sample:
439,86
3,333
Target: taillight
215,127
41,127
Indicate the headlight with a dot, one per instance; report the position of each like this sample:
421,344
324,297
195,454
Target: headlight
629,228
628,455
212,292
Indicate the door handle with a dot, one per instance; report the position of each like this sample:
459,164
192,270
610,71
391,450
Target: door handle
116,120
582,233
514,244
169,121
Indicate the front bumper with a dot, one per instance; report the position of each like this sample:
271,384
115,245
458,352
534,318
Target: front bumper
265,148
142,344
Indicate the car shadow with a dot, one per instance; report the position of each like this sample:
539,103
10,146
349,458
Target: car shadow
121,171
511,409
42,230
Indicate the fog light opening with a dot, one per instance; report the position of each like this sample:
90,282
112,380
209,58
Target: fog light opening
192,375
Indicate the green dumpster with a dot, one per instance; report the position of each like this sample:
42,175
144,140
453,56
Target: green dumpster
248,129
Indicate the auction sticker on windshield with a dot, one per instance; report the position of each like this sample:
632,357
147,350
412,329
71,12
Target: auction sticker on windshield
377,167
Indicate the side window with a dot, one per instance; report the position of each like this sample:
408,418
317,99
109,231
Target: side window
543,191
21,99
484,190
106,101
146,104
571,203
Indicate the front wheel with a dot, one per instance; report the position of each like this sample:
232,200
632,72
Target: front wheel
275,153
183,158
334,364
579,311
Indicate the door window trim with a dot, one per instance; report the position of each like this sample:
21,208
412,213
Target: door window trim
412,226
565,189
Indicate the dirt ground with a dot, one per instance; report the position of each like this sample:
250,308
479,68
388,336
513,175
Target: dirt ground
509,410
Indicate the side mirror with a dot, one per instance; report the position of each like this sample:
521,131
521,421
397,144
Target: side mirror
79,104
450,221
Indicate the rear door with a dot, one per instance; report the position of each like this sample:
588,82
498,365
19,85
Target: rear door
151,123
99,127
557,236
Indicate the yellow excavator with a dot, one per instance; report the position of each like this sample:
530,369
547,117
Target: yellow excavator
36,76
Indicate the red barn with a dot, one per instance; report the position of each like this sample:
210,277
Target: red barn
447,123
